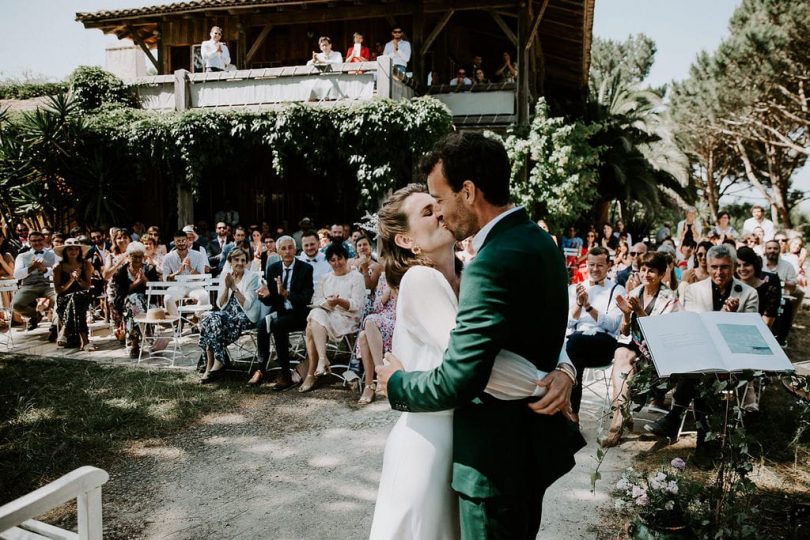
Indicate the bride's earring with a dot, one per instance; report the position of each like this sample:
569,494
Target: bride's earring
416,250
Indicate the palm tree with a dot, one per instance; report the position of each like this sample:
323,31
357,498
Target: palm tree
640,160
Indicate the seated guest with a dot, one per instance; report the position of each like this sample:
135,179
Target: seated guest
686,251
217,246
671,275
194,240
182,261
593,320
363,263
721,292
337,233
6,257
479,77
71,278
327,55
461,78
31,269
767,284
288,293
339,297
723,227
635,253
797,256
269,253
698,271
357,52
324,239
621,259
649,297
375,338
312,255
238,310
239,241
58,239
154,230
131,282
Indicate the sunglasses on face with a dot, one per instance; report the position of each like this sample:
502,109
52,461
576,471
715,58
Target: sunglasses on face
633,253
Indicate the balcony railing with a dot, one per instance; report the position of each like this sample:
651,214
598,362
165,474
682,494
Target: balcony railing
270,87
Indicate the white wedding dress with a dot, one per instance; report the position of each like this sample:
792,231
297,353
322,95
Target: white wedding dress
415,500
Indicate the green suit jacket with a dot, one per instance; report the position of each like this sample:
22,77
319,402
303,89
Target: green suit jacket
513,296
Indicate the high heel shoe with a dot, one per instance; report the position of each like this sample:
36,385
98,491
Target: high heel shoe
307,385
368,395
323,368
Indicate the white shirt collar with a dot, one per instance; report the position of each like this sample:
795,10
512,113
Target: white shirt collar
478,239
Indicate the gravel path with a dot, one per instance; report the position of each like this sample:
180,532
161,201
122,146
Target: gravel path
292,466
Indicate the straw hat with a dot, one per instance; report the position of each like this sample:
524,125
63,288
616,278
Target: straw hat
71,242
155,314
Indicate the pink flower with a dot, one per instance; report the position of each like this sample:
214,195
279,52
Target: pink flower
678,463
643,500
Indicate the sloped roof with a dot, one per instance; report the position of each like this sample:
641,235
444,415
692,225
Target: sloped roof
183,7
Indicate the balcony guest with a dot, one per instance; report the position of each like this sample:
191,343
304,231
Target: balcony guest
399,50
479,77
327,55
508,71
215,53
461,80
358,52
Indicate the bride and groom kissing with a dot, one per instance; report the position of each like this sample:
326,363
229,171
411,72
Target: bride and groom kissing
477,446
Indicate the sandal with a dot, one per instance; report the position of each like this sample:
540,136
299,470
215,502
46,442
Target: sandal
308,384
323,368
88,347
368,395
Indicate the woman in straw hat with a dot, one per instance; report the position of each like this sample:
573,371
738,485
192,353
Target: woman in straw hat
71,279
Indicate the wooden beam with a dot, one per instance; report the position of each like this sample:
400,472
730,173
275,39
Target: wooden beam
523,67
435,32
257,44
535,25
137,38
505,27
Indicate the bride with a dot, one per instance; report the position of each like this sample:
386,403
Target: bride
414,498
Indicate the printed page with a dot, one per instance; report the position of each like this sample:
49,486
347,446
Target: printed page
744,342
679,343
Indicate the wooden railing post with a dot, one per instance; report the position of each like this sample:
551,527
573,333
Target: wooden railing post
384,74
182,92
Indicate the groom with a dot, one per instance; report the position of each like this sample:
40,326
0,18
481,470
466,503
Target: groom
513,296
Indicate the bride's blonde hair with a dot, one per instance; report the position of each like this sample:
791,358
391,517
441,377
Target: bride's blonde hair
393,221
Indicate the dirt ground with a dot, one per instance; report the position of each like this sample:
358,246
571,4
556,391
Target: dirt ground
296,466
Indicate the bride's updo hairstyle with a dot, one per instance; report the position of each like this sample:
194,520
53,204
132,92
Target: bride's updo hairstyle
392,220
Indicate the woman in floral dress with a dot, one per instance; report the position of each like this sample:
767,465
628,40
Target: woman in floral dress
238,310
375,337
130,283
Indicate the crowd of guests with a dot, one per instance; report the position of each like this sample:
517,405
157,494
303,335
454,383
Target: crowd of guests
325,283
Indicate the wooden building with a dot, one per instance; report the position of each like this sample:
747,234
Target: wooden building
549,39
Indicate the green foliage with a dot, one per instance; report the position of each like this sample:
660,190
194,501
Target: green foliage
57,158
92,88
562,165
630,60
15,90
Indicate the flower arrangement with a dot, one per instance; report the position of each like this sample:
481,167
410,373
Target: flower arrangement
662,499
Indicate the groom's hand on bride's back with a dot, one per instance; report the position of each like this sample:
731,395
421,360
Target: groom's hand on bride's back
557,398
391,365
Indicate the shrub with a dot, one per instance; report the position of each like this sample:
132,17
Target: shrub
93,88
17,90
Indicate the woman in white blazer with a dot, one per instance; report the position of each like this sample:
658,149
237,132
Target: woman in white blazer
239,310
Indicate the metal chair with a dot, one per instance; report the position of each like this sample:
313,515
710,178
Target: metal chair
8,287
596,381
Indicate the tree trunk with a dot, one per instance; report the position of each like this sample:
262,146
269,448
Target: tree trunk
711,186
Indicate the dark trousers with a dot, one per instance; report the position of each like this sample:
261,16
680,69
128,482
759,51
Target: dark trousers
280,327
586,351
685,392
505,518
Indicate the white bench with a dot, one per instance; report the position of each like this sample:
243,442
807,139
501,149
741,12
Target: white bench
83,484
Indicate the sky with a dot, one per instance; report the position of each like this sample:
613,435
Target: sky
43,39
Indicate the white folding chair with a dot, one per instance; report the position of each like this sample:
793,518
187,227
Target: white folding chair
596,382
7,287
187,310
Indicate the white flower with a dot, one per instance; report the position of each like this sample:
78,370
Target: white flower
638,492
643,500
661,477
672,487
669,505
623,484
678,463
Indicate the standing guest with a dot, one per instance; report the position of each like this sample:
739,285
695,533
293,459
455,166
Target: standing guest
379,50
775,264
182,261
479,77
648,296
238,310
619,232
151,256
357,52
303,226
461,80
327,55
71,278
508,71
607,240
665,231
723,227
113,261
797,256
593,320
399,49
433,78
363,263
131,280
288,293
758,219
340,298
31,268
229,216
216,247
314,257
214,52
337,235
689,227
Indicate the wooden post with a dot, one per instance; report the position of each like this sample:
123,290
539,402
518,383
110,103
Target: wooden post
182,93
523,65
384,74
417,36
241,45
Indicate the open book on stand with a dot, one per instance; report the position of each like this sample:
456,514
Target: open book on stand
716,341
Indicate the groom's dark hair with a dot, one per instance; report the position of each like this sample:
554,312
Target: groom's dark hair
472,156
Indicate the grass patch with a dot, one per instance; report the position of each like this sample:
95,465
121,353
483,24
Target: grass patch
59,414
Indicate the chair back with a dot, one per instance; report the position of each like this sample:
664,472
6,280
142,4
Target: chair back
157,289
8,285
